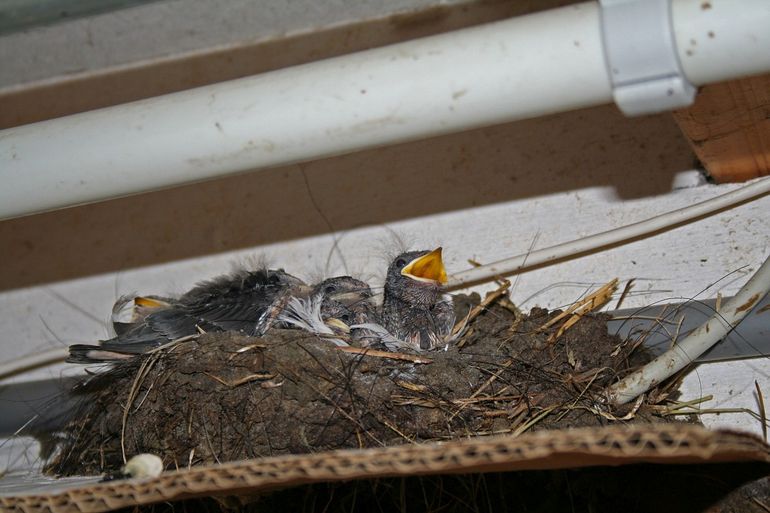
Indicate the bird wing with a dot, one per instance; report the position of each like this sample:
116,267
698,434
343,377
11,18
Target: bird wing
239,302
156,329
444,316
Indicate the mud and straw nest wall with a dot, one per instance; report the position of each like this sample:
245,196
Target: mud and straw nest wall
223,397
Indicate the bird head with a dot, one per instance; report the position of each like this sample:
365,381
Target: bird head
417,277
344,300
343,289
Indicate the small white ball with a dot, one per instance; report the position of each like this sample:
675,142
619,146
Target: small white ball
143,465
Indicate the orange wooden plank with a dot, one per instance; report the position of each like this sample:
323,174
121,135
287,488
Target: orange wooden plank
729,128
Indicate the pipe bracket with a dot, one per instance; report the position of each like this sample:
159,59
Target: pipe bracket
641,56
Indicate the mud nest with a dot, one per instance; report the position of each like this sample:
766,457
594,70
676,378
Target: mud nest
224,397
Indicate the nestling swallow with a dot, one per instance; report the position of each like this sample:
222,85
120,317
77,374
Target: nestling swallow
246,301
333,306
415,308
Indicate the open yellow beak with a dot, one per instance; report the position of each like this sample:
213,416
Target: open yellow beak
428,268
148,302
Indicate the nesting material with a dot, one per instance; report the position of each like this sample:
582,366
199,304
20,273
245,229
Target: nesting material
224,397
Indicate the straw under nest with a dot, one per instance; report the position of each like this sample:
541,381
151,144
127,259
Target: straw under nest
222,396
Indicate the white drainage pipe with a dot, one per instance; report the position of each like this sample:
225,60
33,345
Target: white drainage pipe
519,68
696,343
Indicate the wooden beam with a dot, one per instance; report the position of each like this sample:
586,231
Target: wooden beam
729,128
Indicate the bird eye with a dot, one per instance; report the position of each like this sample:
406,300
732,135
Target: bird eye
330,289
401,262
345,318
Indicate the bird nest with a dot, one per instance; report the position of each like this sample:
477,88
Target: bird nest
222,396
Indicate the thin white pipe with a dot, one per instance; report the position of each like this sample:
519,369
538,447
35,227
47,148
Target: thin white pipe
696,343
32,361
519,68
610,238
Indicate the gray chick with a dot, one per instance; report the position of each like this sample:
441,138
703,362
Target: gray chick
249,302
331,308
415,308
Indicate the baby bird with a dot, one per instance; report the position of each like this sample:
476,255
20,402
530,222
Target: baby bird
344,298
246,301
332,306
415,308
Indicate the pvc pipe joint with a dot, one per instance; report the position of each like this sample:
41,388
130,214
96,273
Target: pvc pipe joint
642,60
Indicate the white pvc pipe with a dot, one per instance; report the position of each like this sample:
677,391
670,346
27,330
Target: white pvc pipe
519,68
720,40
696,343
